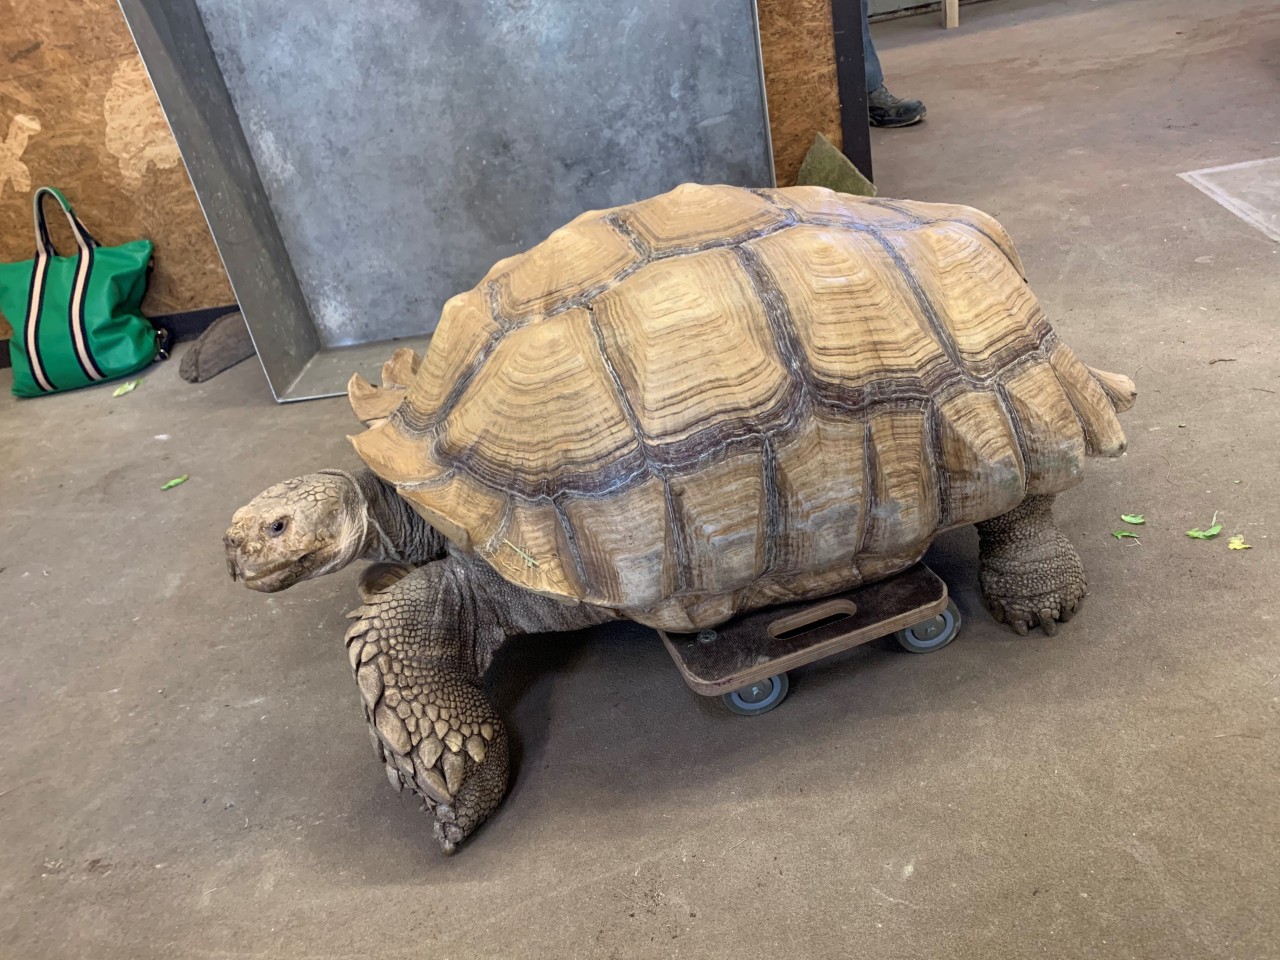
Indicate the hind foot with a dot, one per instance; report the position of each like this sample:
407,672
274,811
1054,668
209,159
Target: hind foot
1031,575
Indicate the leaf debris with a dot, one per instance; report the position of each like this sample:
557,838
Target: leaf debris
1237,543
1124,535
1214,529
127,387
176,482
526,557
1136,519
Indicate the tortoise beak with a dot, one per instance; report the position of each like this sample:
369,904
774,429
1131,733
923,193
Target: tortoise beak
231,543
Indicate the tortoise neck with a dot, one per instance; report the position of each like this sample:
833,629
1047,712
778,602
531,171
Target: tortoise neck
394,533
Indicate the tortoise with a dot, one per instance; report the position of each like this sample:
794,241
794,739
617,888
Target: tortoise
673,411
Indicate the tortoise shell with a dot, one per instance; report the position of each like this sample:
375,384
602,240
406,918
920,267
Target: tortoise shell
720,399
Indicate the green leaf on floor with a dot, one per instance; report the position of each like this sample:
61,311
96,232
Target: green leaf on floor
176,481
1136,519
1124,535
1237,543
1214,529
126,387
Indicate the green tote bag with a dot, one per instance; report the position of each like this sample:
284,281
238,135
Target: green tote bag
75,319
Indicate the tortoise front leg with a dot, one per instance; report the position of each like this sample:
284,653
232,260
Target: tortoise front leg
417,650
1030,572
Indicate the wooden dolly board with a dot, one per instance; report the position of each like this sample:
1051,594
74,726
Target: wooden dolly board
745,661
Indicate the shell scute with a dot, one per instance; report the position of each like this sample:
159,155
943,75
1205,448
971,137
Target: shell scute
1050,433
633,559
721,514
969,293
674,317
902,496
488,428
859,320
980,456
693,215
823,510
580,257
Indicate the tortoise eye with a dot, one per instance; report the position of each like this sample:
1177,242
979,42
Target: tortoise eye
277,527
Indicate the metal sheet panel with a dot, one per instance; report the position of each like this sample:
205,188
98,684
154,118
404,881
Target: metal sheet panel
187,79
404,146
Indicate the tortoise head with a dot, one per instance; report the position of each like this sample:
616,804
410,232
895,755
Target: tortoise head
296,530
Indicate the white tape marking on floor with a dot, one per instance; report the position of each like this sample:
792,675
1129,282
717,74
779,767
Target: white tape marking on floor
1250,190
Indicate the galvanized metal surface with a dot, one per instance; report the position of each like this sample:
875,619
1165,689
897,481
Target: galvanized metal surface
189,83
403,147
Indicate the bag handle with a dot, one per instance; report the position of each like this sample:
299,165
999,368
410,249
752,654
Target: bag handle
44,246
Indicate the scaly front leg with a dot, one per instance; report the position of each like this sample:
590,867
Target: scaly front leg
416,650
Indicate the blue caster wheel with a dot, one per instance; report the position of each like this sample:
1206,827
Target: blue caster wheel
761,697
932,634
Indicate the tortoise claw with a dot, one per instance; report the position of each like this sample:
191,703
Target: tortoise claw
448,835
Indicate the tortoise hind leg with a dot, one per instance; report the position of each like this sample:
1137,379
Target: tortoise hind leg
1030,572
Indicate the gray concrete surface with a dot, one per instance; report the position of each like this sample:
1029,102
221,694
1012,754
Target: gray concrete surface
183,771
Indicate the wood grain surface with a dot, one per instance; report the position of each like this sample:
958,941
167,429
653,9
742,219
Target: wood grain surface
78,112
798,48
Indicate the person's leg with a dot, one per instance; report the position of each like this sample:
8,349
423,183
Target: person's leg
883,108
875,75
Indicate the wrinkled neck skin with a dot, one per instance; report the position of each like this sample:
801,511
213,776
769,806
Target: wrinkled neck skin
385,528
474,611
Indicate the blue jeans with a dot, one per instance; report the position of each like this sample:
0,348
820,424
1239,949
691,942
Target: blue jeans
875,76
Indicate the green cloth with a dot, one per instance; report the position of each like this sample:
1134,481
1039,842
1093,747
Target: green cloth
825,166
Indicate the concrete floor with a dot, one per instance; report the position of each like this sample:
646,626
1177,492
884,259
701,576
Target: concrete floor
183,771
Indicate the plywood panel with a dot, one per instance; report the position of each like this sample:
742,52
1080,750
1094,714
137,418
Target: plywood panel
800,78
77,112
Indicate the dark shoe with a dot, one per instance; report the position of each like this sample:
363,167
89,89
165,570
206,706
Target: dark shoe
886,110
